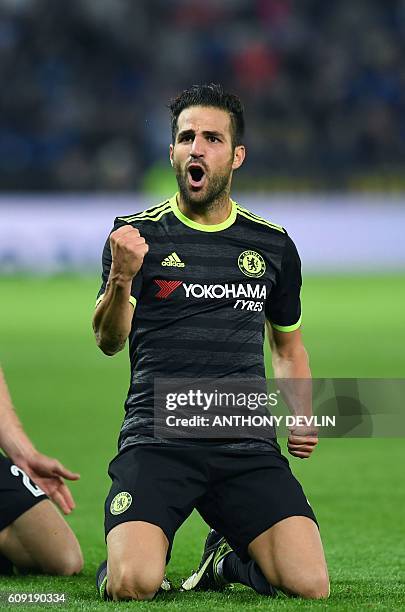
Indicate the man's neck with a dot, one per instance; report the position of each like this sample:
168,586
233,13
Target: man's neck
214,213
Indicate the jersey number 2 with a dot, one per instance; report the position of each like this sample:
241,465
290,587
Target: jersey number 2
34,489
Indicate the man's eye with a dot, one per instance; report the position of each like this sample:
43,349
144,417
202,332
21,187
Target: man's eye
213,139
185,138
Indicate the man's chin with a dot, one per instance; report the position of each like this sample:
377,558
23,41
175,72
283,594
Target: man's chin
195,194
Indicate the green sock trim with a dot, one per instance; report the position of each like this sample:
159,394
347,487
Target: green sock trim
102,589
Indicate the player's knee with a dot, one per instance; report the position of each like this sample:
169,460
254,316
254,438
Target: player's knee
313,587
73,564
131,589
129,584
67,565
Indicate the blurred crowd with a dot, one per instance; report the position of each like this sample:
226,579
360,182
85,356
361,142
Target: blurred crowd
85,84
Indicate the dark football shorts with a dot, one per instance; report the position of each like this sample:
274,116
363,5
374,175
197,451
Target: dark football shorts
17,492
239,493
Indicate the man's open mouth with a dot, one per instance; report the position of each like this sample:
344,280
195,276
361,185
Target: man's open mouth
196,176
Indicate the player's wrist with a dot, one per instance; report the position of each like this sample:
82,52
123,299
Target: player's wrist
120,278
303,431
20,450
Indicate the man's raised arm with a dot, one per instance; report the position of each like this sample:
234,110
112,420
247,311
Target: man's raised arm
113,317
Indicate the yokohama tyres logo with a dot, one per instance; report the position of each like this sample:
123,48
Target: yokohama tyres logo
166,287
226,291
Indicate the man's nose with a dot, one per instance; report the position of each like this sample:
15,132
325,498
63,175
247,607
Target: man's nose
197,148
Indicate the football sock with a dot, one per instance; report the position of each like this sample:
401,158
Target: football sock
6,567
101,581
249,574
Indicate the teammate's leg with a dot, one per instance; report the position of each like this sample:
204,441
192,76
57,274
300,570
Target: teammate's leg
136,560
291,557
40,540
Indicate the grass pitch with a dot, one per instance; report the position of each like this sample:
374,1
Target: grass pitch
70,399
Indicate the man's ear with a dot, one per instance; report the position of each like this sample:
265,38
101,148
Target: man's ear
171,148
238,157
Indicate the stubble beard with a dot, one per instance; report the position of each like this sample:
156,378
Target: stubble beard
215,192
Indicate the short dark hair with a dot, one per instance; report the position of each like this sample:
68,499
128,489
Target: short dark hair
210,95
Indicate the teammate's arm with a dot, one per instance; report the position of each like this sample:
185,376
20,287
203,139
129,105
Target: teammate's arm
47,472
290,361
113,317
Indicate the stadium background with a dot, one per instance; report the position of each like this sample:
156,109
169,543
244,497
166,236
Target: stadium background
83,136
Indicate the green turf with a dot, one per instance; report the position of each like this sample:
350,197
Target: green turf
70,398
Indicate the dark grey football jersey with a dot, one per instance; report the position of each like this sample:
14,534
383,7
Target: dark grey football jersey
201,300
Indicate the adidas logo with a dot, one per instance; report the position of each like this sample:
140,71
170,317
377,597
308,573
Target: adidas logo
173,260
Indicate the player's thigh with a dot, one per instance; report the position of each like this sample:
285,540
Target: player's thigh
136,560
290,555
252,491
41,540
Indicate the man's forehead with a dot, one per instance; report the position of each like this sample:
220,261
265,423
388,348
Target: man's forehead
204,118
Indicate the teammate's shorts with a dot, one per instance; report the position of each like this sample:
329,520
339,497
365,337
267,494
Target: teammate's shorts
239,493
17,492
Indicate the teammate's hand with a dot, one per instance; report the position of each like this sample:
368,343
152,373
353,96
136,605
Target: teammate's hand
302,442
48,474
128,249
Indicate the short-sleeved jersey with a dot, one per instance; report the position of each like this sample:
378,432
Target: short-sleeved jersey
201,300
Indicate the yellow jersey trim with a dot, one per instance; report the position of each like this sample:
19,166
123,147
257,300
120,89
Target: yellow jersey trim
249,215
287,328
149,213
132,300
200,227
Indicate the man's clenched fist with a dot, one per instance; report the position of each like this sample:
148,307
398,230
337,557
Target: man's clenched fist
302,442
128,249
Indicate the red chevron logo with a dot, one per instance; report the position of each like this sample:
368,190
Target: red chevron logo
166,287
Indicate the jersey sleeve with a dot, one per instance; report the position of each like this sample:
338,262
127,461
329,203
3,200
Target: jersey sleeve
106,265
283,305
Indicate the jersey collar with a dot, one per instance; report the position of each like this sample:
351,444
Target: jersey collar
199,226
